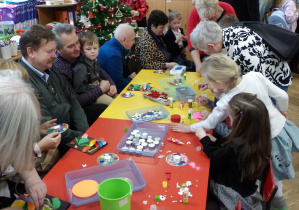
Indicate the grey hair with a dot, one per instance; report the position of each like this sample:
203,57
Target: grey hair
19,122
206,32
62,28
206,7
220,68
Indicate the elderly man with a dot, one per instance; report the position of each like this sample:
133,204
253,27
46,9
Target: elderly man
112,55
245,47
55,98
68,52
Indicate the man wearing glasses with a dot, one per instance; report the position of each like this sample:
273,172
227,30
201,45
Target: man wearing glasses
55,98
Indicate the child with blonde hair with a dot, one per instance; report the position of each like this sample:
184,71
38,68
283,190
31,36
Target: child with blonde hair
222,74
176,41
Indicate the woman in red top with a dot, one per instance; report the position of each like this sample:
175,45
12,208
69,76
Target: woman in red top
139,11
212,10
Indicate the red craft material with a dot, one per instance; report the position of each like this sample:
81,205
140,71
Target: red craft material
175,118
168,175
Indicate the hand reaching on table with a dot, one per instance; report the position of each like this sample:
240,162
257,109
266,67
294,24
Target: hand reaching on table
179,127
204,114
201,100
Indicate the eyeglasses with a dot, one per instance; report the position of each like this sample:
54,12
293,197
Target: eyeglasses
53,92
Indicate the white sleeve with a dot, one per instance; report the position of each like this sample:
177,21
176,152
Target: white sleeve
281,97
218,115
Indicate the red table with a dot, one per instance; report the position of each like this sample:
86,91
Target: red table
152,168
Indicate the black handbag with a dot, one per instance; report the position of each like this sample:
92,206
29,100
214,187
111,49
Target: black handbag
283,42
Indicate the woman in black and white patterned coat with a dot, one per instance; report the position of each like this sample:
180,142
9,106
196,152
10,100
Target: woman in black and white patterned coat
245,47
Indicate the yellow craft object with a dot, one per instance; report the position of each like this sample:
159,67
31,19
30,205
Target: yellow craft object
18,203
92,142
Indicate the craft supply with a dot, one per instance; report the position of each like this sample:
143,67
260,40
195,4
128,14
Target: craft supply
176,141
185,75
59,127
173,158
157,198
190,101
168,175
175,118
127,95
85,188
185,195
107,159
189,114
182,104
164,184
168,72
170,102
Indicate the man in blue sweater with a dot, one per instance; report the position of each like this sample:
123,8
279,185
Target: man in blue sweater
112,56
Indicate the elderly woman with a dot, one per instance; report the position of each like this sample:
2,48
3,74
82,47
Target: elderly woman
245,47
19,122
212,10
151,50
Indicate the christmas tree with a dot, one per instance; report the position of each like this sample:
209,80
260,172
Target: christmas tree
101,17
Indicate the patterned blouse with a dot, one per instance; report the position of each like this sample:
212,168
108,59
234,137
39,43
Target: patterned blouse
139,5
251,53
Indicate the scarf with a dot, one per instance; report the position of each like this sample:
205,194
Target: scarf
160,43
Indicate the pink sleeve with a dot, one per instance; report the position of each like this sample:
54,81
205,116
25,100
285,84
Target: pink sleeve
290,12
192,22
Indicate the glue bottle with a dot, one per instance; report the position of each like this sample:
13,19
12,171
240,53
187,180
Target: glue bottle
168,72
185,195
189,114
170,102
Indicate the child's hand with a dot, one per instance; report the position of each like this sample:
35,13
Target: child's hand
201,100
185,38
179,127
132,75
105,86
203,86
204,114
179,38
112,91
200,132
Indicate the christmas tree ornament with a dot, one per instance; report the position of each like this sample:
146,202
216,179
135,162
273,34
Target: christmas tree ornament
118,13
102,9
90,15
99,27
110,10
79,4
77,10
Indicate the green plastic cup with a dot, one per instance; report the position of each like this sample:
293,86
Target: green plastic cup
115,194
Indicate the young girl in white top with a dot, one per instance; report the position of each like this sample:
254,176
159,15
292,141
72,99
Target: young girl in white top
222,74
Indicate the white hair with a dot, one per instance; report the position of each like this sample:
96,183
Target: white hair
124,31
206,7
19,122
206,32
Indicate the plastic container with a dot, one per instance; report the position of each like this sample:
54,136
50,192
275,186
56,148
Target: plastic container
115,194
147,114
152,129
170,88
126,169
185,93
160,100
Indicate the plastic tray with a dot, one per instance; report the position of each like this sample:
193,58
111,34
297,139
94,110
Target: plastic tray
185,93
146,111
171,88
122,169
160,101
152,129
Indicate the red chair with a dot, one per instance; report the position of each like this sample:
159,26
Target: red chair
238,206
268,187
